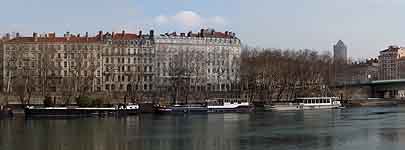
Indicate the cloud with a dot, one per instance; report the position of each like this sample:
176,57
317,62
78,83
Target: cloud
161,19
190,20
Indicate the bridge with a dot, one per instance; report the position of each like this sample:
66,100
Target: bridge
376,88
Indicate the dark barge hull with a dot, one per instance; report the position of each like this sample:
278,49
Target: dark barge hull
5,114
75,112
202,110
181,110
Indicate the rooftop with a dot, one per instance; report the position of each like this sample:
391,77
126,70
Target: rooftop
203,33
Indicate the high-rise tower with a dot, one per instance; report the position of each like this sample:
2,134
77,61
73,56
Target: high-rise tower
340,52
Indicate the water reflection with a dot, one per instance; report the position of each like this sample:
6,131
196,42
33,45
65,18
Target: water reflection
359,128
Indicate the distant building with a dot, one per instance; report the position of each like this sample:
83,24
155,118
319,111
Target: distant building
340,52
392,63
359,72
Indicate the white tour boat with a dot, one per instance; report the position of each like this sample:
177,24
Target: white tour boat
307,103
228,105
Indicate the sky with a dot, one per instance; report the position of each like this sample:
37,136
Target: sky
366,26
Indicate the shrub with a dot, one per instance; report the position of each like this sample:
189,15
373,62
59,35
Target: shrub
98,102
48,101
85,101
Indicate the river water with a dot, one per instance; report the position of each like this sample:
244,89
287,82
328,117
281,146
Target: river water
351,128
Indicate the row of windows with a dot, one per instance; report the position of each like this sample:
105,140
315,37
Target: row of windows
189,40
127,78
73,55
55,47
127,87
137,60
315,101
129,51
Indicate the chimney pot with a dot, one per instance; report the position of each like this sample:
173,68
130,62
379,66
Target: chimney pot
34,35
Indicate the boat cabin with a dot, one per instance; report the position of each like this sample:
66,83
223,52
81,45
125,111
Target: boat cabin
316,100
223,101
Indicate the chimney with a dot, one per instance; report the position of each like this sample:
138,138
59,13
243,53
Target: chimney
123,32
140,32
100,35
67,36
189,34
151,34
35,36
51,35
17,34
7,36
202,33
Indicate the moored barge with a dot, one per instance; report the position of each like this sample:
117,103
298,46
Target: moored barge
130,109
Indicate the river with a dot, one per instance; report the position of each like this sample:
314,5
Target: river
351,128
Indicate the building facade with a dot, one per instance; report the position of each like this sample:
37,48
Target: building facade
125,64
128,63
392,63
340,52
198,63
48,64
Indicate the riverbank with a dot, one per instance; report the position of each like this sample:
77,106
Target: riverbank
373,102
